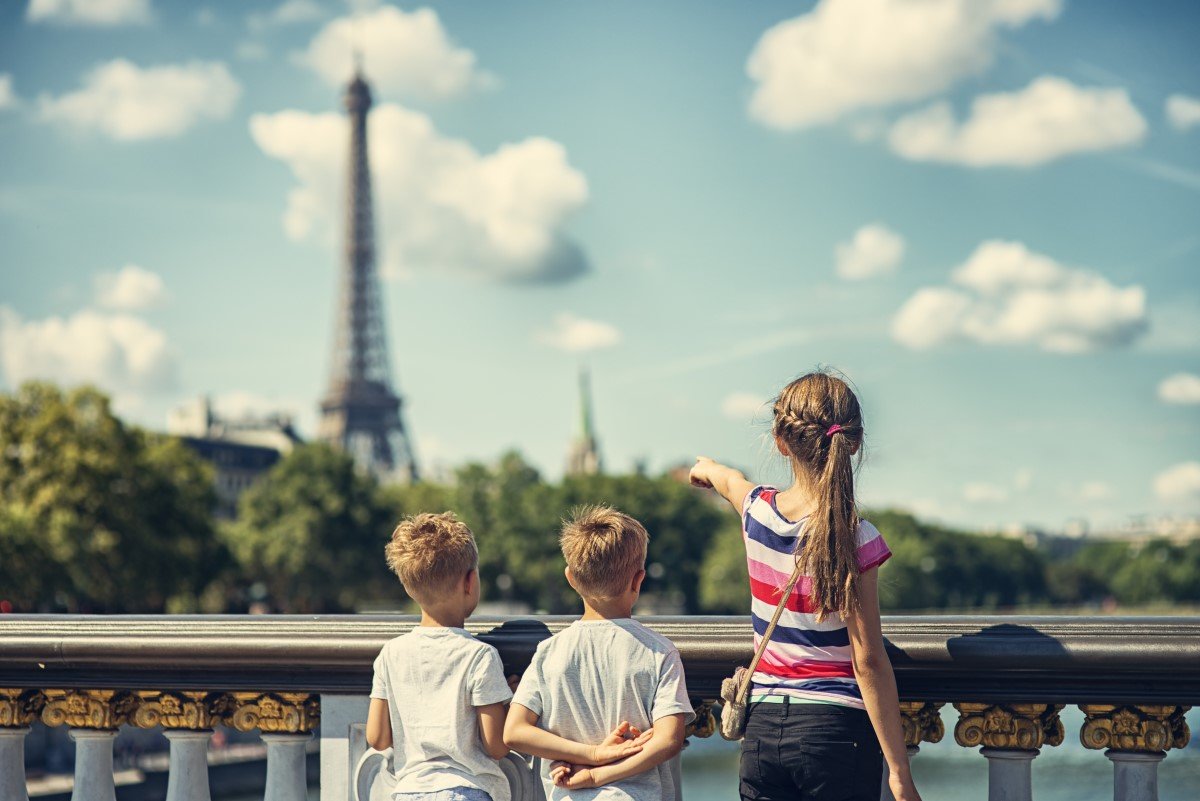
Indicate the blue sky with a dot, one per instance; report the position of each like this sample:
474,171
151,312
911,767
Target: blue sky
984,213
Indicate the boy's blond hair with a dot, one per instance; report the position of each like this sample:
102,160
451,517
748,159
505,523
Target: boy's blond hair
604,549
430,553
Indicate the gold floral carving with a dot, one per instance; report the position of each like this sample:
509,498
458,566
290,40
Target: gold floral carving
705,723
1142,727
1013,726
272,713
19,708
88,709
179,710
922,722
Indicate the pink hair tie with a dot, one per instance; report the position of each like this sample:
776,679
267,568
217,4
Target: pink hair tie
833,429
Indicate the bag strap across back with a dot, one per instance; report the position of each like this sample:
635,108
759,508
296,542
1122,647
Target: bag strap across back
766,638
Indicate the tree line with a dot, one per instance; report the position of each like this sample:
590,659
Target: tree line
100,516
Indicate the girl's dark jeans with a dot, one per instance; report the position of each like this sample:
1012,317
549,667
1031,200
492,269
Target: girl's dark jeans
809,752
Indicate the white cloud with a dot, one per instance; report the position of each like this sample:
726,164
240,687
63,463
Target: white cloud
118,352
874,250
1183,111
577,334
1179,483
289,12
743,406
1005,294
128,102
99,13
1046,120
251,51
1182,388
1023,479
405,53
1094,491
441,204
982,492
8,97
130,289
846,55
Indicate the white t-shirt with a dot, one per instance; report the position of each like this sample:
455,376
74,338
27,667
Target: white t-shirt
432,679
593,675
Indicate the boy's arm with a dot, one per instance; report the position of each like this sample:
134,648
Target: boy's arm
491,729
666,742
379,725
730,484
521,733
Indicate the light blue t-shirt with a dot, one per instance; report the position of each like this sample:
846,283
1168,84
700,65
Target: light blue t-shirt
433,678
587,679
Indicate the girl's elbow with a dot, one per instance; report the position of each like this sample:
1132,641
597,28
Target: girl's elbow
872,664
498,750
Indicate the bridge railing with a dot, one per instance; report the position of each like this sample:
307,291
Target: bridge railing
286,676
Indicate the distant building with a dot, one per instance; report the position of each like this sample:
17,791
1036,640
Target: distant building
240,450
583,459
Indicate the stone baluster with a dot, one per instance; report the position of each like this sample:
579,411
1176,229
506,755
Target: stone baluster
922,722
1137,738
1011,736
187,719
286,721
93,716
18,708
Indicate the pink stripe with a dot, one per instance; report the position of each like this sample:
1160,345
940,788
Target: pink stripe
873,553
761,571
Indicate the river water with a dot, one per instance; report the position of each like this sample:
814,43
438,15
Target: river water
947,772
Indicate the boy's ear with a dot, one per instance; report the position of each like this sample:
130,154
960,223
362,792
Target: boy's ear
638,578
472,575
570,578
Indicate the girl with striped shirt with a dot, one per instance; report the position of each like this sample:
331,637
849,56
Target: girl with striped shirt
824,713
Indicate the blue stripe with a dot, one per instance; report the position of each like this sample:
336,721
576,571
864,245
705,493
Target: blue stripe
824,686
764,536
794,636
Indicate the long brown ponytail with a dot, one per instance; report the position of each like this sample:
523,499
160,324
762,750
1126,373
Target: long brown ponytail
818,419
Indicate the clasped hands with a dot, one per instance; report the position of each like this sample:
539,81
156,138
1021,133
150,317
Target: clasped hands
624,741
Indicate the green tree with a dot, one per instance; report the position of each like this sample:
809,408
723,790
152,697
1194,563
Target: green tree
724,578
312,531
91,508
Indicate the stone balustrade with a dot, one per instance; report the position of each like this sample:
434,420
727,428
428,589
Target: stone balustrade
1133,680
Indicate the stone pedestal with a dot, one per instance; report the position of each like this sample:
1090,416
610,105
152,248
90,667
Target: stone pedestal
188,776
1135,775
1010,776
12,764
287,778
93,765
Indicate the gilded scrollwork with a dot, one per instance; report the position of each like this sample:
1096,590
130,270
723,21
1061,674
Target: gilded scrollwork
705,724
178,710
1012,726
922,721
1141,727
19,708
88,709
272,713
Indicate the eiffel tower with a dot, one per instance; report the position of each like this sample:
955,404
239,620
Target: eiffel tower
361,412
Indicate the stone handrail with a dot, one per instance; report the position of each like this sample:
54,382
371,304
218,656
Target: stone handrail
1008,678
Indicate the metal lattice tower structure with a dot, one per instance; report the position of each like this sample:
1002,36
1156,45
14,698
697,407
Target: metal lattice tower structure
361,413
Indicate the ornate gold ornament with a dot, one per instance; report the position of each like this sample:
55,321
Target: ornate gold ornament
273,713
705,724
1014,726
1141,727
19,708
922,722
179,710
88,709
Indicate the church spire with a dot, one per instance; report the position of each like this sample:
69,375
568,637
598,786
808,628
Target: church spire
584,455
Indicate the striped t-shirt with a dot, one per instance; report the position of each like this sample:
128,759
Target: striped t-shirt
806,659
